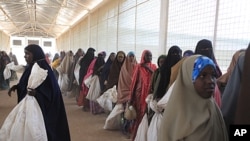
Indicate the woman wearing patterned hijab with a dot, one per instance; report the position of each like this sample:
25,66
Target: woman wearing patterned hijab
204,47
191,113
48,95
140,87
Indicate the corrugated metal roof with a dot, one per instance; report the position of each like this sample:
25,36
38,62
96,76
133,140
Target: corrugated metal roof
42,18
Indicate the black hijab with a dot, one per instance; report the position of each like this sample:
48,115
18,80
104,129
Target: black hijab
85,62
204,47
48,96
173,56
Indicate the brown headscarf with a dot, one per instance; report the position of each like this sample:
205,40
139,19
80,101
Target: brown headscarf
187,115
224,78
125,79
115,71
66,63
175,71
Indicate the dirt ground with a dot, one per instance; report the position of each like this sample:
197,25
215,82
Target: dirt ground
84,126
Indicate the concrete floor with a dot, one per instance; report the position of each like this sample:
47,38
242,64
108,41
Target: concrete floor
84,126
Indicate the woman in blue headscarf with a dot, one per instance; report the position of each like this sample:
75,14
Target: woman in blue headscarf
48,95
191,113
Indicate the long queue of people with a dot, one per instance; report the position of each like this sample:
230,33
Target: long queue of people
182,97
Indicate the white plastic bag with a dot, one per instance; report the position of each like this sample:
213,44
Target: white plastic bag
87,81
164,100
77,69
16,68
94,89
113,120
112,94
105,102
25,122
6,73
141,134
107,98
154,127
64,82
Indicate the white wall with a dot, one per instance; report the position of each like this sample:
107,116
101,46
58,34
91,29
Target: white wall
18,50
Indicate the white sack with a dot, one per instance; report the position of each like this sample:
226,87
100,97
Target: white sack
6,73
113,121
76,70
141,134
94,89
25,122
107,98
154,127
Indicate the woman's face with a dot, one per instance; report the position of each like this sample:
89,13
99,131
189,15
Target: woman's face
131,58
112,57
28,56
148,57
161,61
120,57
205,82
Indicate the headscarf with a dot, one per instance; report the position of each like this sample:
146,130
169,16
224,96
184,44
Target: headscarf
188,53
199,64
56,56
175,71
231,92
66,64
125,79
48,96
154,83
188,116
173,56
224,78
242,115
139,89
72,78
13,58
204,47
85,62
115,71
78,54
99,65
105,71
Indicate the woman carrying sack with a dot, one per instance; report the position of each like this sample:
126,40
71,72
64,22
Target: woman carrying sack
48,95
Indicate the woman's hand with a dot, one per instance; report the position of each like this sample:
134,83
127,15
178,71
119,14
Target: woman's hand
147,67
31,92
13,88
